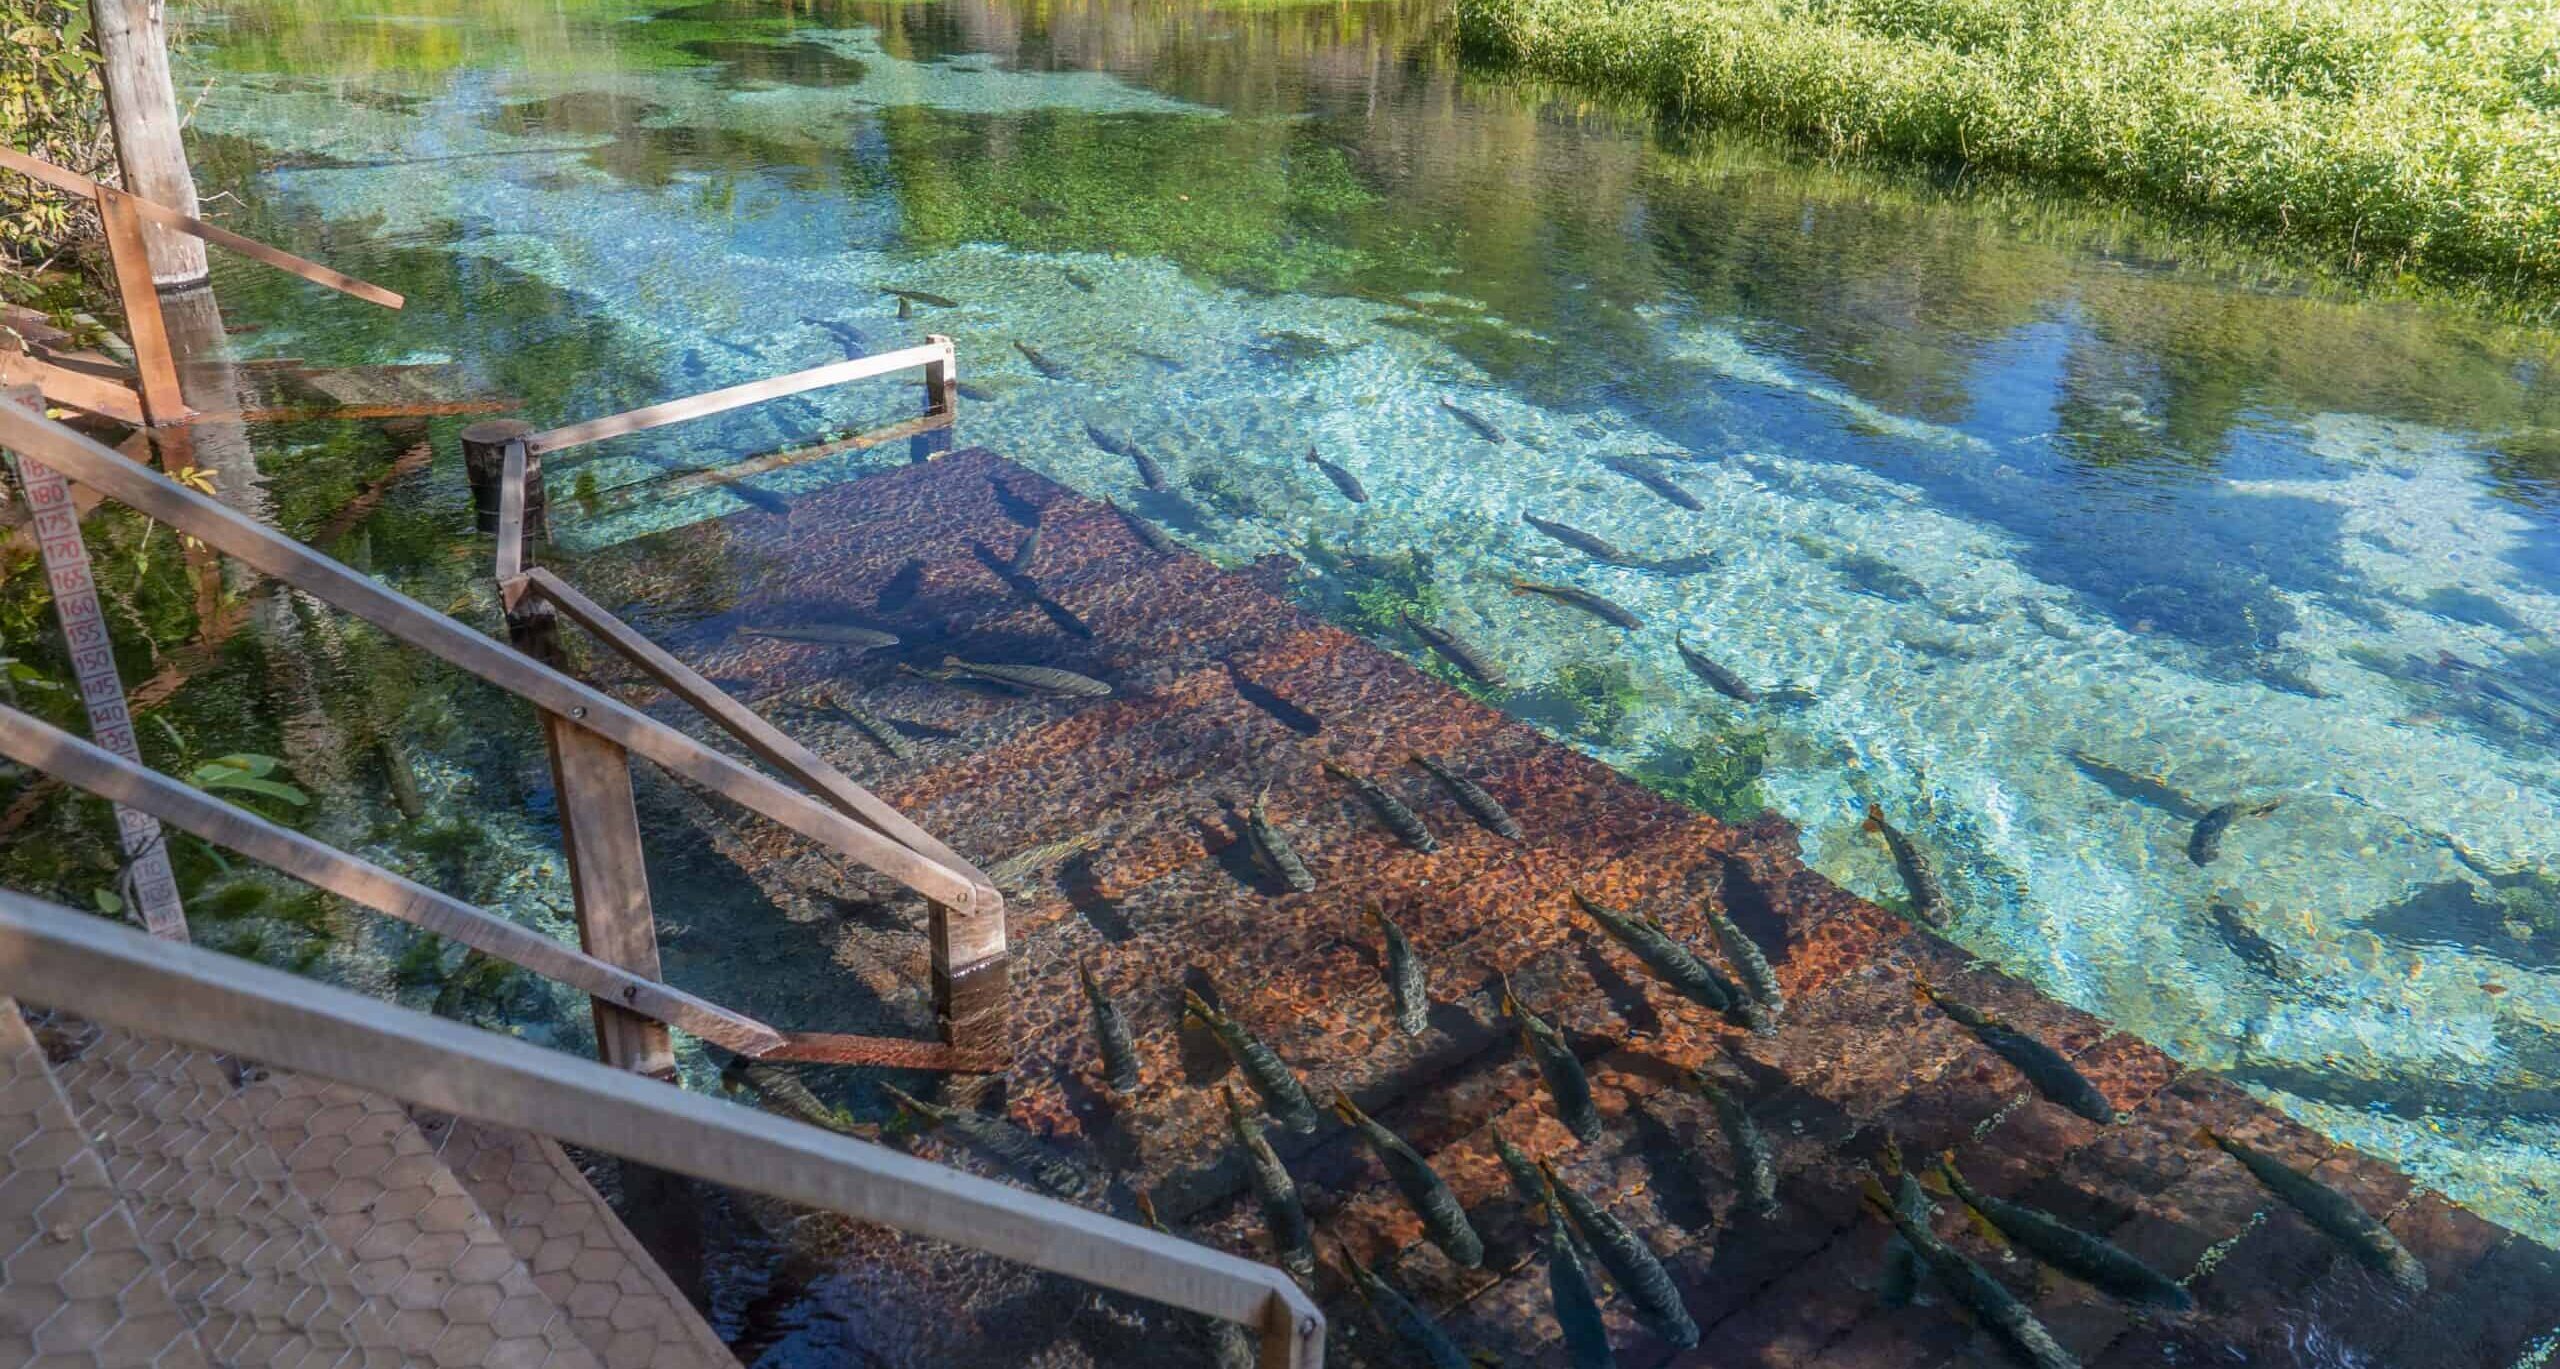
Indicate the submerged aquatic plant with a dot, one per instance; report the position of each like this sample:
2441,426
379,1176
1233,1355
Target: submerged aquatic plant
1717,773
1597,696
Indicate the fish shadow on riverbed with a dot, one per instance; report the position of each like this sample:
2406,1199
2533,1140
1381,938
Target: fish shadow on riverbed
1287,714
1059,614
1083,889
1672,1169
1100,1113
1626,997
900,589
1204,1061
1226,843
1024,512
1748,904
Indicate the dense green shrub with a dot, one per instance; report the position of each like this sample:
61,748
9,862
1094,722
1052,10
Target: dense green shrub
49,106
2420,138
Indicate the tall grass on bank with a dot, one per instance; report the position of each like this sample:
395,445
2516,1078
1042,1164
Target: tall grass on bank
2419,137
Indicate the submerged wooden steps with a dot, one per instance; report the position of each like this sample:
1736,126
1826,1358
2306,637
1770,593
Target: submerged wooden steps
1221,688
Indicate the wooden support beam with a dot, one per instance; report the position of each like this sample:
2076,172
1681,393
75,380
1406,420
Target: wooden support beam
265,550
740,396
130,256
31,742
90,394
184,221
942,378
609,877
56,957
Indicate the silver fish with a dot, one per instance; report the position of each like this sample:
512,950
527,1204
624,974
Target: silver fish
1654,478
1707,668
1475,422
822,634
1589,544
882,735
1630,1261
1405,982
2098,1263
1752,966
1043,364
1399,1314
1982,1295
1015,870
1156,538
1292,1236
1039,679
1755,1167
1282,1095
1919,876
1583,599
1481,806
1576,1302
1343,480
1443,1220
2338,1216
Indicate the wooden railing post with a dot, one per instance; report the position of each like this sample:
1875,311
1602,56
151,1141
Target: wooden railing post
608,876
484,458
971,987
130,256
942,378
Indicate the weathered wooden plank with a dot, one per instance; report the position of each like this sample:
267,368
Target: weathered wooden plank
162,399
90,394
264,549
30,742
115,976
938,352
609,879
511,516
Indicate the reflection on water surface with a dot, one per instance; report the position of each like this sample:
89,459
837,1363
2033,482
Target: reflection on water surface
2040,546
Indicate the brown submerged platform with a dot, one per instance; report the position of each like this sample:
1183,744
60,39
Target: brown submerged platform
1222,687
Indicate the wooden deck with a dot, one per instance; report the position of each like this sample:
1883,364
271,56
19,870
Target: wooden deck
1221,688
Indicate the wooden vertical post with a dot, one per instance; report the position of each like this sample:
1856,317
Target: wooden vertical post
942,378
484,459
600,829
969,998
130,256
599,821
133,52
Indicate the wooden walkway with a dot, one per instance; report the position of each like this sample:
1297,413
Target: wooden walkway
1221,687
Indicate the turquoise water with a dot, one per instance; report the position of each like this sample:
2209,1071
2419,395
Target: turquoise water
2032,534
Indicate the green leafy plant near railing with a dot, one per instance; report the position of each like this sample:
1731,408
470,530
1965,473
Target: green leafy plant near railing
2418,139
49,106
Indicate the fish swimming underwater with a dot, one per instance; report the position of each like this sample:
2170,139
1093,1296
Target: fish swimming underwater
1343,480
2338,1216
1576,1302
1037,679
1654,478
882,735
1271,848
1638,1271
1595,605
1458,653
1406,985
1011,1147
1707,668
1410,1323
1443,1220
921,297
1403,821
2054,1077
1755,1165
1292,1236
1593,545
2095,1262
1111,1033
1156,538
1982,1295
822,634
2204,844
1282,1095
1483,807
1043,364
1568,1086
1475,422
1919,875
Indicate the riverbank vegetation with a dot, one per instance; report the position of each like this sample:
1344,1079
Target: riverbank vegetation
2418,139
49,106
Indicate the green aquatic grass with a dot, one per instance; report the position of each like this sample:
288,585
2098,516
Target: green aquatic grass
2418,139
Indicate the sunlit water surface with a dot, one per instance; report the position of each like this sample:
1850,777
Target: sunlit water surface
2002,508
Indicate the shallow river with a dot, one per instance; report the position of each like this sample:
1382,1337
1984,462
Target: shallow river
2035,536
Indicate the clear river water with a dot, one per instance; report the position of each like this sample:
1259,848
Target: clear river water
2036,532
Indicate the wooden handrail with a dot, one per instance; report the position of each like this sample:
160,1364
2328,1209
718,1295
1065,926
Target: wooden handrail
935,352
262,548
73,182
58,958
770,744
31,742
